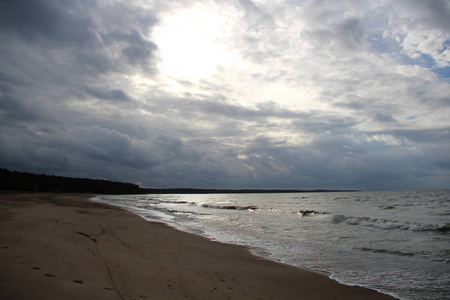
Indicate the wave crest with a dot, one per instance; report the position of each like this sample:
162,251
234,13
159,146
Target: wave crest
390,224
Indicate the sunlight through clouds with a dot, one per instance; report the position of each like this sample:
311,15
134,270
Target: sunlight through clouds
192,41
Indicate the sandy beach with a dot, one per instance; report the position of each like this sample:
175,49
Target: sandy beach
61,246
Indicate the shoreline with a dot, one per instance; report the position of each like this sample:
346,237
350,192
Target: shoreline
61,246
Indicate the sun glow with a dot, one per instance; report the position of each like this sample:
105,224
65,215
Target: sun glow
192,42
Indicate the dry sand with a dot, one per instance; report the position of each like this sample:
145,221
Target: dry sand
60,246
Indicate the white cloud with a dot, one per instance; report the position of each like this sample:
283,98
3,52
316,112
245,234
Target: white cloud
421,28
389,139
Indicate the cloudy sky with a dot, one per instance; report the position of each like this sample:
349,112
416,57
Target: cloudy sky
228,93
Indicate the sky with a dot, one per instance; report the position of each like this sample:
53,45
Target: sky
280,94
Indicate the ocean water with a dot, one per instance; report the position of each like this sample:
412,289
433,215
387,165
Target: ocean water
395,242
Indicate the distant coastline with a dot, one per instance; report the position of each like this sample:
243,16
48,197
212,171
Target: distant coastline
234,191
23,181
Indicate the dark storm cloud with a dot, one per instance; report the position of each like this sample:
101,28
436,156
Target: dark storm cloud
89,43
11,109
112,147
64,44
59,22
136,50
56,54
384,118
92,150
106,94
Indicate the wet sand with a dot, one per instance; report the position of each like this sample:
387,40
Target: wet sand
61,246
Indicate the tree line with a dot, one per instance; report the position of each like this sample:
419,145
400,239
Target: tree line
22,181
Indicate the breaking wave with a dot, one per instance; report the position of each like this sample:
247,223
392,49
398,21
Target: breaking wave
390,224
393,252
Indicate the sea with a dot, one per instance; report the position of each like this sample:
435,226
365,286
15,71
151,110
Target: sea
394,242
